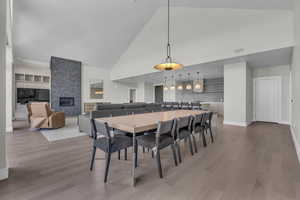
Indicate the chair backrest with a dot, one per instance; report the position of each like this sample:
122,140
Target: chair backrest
100,128
183,122
205,118
185,105
40,109
196,106
197,120
169,104
165,127
176,105
210,115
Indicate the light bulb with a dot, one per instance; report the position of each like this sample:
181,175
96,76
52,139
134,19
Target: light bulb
189,87
180,87
198,86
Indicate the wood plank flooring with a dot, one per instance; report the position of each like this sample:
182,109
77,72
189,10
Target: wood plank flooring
258,162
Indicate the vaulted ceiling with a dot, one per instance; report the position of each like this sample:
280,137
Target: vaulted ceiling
96,32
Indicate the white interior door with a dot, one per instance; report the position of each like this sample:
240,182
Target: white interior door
132,94
267,99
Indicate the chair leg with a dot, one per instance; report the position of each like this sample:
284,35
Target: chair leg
191,146
174,154
136,156
195,144
119,155
125,154
211,135
108,155
93,158
203,138
159,164
178,152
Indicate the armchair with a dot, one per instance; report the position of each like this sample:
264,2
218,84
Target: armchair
43,117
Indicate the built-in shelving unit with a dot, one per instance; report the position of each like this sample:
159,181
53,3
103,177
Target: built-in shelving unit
30,78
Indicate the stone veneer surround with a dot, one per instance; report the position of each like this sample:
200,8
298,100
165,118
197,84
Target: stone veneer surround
65,82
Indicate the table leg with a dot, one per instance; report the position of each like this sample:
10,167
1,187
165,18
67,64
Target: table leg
133,160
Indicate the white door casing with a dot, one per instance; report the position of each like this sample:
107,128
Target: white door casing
267,99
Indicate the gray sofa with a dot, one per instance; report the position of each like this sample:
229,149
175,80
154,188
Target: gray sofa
109,110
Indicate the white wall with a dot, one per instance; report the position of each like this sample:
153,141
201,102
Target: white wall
3,163
204,35
9,89
249,95
149,93
237,96
144,92
296,80
284,73
114,92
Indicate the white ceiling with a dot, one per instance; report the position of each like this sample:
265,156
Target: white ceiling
241,4
216,69
96,32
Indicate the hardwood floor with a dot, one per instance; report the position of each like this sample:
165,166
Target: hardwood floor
258,162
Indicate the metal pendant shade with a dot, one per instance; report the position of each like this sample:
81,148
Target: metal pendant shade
169,64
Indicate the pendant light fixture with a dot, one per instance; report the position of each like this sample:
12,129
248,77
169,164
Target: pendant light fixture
180,86
199,83
189,85
165,86
169,64
172,87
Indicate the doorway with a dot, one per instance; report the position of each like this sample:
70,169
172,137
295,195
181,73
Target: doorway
159,94
267,99
132,95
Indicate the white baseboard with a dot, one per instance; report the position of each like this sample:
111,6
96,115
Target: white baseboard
234,123
284,122
296,143
3,174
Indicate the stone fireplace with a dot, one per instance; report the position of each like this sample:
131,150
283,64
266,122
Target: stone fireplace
66,86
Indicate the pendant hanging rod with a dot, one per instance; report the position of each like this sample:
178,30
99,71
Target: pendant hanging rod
169,45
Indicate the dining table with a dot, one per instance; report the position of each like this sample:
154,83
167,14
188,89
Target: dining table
139,123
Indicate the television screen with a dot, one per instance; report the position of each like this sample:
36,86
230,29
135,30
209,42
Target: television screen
25,95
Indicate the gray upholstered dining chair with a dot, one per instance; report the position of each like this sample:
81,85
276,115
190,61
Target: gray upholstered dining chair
185,106
207,124
183,132
162,138
198,128
102,139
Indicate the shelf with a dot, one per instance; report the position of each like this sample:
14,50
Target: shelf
30,78
20,77
46,79
37,78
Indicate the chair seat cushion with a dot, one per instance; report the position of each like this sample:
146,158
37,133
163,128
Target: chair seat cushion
149,141
118,142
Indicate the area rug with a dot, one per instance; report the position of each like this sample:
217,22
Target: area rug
69,131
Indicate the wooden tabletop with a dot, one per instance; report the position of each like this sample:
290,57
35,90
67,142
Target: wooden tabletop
147,121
